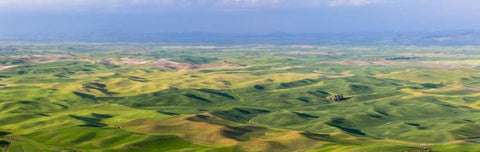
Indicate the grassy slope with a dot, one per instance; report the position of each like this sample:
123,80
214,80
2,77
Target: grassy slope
271,103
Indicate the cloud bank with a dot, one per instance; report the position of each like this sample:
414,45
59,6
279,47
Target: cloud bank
159,5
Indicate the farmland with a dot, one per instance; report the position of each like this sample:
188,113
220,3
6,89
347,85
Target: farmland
152,97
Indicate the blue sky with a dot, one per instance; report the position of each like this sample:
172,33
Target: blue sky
237,16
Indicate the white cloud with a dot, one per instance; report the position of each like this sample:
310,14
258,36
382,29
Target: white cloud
101,5
352,2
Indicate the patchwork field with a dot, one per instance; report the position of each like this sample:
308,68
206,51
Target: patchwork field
150,97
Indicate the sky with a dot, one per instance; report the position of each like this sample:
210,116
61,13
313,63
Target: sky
236,16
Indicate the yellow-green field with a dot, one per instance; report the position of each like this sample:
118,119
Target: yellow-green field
239,98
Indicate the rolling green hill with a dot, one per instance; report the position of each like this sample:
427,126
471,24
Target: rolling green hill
239,98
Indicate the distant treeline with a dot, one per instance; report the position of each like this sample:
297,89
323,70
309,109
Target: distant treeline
8,49
401,58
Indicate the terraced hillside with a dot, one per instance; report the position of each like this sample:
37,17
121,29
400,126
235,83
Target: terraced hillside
149,97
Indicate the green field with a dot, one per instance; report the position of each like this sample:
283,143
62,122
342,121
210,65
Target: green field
152,97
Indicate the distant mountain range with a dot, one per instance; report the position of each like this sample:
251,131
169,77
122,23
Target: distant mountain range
192,38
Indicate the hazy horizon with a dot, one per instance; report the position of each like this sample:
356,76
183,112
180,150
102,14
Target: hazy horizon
236,16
